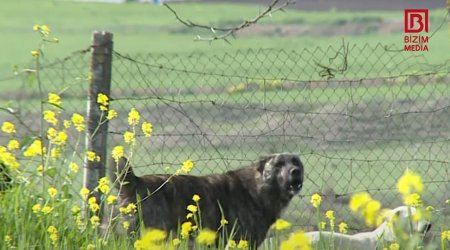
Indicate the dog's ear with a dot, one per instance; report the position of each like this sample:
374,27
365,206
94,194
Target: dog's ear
266,166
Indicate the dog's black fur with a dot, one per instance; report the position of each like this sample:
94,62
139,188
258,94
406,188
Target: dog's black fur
252,197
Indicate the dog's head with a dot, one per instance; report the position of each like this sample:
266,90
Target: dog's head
282,171
404,219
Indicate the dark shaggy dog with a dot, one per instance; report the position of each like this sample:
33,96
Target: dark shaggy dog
251,198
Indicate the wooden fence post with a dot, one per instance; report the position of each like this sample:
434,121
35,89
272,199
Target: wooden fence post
97,130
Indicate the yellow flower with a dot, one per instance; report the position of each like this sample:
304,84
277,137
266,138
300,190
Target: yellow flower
40,168
129,137
138,245
84,192
147,129
47,209
152,236
66,124
13,145
75,209
447,201
94,207
223,222
176,242
371,211
133,117
45,30
231,244
117,153
74,168
104,189
323,225
60,139
34,149
192,208
394,246
78,122
189,215
36,27
359,200
206,237
92,156
52,230
129,209
53,234
111,199
187,166
316,199
92,200
8,158
445,235
186,228
95,221
103,181
54,99
343,227
410,182
196,198
111,114
297,240
50,117
55,153
429,208
126,225
8,128
412,199
329,214
36,208
90,247
243,244
51,133
102,99
52,192
281,224
35,53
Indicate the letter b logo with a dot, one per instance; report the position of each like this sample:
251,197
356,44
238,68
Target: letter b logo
416,20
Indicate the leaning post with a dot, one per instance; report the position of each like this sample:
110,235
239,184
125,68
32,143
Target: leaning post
97,124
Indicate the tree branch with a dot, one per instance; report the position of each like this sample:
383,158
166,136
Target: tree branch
272,8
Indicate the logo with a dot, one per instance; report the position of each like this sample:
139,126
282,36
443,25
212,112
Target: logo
416,21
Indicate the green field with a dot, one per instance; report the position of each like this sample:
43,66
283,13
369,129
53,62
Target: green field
145,28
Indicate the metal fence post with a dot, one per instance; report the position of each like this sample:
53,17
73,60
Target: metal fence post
97,127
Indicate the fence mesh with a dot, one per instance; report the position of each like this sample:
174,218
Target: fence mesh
357,115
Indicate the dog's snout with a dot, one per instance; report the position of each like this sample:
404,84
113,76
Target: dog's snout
296,173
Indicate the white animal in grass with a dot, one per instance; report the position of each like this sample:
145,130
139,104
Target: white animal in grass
370,240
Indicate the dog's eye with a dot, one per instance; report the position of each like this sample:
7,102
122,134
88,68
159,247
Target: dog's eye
296,161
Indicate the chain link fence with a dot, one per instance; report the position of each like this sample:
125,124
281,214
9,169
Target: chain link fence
358,116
